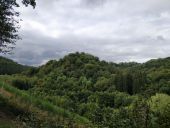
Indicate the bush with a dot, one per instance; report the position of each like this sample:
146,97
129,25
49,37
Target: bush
22,83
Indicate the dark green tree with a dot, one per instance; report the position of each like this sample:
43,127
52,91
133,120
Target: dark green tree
128,83
141,114
9,24
119,81
139,81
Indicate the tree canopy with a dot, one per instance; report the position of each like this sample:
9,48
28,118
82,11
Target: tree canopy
109,95
9,23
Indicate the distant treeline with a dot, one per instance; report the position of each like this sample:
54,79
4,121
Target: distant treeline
9,67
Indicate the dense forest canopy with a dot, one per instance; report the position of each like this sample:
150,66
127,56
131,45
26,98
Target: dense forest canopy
124,95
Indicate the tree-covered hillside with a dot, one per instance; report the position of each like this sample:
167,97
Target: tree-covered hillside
9,67
80,88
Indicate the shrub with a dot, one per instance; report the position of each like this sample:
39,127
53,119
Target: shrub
22,83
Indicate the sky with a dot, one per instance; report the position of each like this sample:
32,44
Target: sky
113,30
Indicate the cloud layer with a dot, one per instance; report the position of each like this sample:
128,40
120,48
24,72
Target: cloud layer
113,30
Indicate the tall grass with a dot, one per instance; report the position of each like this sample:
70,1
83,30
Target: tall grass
44,105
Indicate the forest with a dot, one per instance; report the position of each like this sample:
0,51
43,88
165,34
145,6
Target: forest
82,91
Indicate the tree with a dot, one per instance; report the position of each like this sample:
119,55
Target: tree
124,82
9,24
119,81
141,114
160,108
139,81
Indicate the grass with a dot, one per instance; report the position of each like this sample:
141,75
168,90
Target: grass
44,105
5,125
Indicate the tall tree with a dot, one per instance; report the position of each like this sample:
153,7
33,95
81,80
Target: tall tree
139,81
119,81
9,24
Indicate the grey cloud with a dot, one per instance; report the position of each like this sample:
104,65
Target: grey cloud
93,3
33,53
114,30
161,38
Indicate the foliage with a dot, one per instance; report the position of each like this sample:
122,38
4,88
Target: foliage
30,101
9,23
81,88
10,67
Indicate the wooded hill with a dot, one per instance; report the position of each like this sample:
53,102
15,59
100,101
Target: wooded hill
79,90
9,67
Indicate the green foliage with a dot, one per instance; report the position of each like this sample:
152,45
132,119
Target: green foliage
22,83
44,105
9,23
82,89
9,67
103,99
160,108
129,82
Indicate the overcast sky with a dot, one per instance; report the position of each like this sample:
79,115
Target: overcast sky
113,30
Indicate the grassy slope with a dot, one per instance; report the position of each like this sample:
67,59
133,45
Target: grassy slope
7,118
31,104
